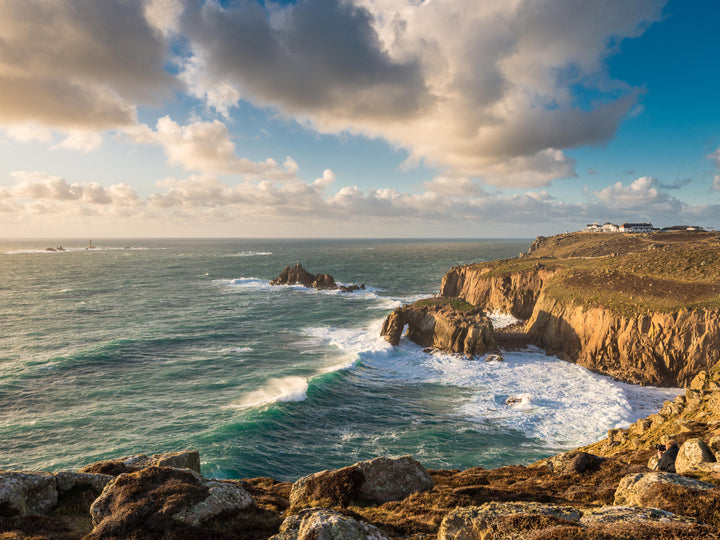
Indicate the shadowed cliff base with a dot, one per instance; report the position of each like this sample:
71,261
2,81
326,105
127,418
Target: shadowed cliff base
512,337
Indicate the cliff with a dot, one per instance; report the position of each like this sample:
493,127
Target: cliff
640,308
440,323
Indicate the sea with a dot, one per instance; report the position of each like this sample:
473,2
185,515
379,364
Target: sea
148,346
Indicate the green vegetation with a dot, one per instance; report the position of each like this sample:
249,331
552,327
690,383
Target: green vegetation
455,303
626,273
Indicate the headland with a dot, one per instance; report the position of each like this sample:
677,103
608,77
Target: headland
642,308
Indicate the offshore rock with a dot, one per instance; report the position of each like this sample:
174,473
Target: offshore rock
163,501
321,524
376,481
292,275
443,324
639,489
692,454
188,459
498,520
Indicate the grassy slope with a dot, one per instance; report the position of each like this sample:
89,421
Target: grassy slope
627,273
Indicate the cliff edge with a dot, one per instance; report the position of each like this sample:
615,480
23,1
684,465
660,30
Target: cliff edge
642,308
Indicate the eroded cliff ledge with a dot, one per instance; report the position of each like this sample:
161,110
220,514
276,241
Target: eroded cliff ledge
641,308
442,323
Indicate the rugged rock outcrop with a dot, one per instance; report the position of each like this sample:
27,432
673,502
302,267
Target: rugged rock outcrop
188,459
636,344
637,489
292,275
515,293
693,453
167,502
438,324
495,520
40,492
662,349
322,523
376,481
297,275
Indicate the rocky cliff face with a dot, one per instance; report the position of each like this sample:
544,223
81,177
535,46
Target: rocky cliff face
442,327
514,293
665,349
662,349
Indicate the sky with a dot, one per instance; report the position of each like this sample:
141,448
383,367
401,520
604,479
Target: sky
356,118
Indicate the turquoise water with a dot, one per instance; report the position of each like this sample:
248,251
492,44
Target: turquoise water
161,345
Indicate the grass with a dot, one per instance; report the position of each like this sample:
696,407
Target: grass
439,301
626,273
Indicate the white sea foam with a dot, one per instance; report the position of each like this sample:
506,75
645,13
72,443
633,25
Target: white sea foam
251,254
560,403
276,390
74,250
246,283
501,320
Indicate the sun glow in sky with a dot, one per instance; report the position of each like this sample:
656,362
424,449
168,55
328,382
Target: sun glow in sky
356,118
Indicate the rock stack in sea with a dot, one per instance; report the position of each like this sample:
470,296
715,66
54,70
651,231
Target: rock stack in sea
442,323
297,275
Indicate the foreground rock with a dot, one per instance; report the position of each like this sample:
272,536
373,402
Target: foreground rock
693,454
641,489
25,493
162,501
189,459
498,520
443,324
376,481
321,523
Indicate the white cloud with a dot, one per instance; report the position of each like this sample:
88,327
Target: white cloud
206,147
715,156
206,205
81,141
476,88
72,64
164,15
642,195
29,132
37,187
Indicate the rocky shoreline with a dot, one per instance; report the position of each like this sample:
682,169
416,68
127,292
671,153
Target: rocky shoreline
607,490
603,491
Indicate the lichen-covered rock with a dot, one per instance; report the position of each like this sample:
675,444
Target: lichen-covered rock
630,514
326,488
67,481
324,524
187,459
633,488
501,521
376,481
28,492
163,501
693,453
222,497
392,479
574,463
